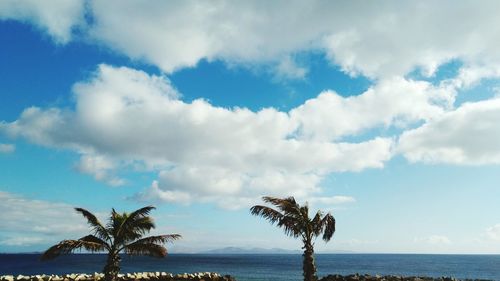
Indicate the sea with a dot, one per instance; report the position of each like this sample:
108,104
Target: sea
266,267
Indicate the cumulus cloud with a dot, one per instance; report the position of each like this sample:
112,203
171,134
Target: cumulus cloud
101,168
7,148
28,222
373,39
471,75
206,153
468,135
394,101
57,18
181,34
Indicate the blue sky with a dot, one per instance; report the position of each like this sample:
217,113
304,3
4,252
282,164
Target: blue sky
202,108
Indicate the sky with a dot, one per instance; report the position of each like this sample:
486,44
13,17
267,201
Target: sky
385,113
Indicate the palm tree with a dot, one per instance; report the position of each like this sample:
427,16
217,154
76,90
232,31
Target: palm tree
295,221
122,233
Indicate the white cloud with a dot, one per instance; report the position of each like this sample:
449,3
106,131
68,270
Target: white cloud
27,221
228,188
493,232
207,153
22,241
7,148
101,168
288,68
395,38
472,75
154,193
375,39
469,135
176,35
439,240
394,101
333,200
436,240
57,17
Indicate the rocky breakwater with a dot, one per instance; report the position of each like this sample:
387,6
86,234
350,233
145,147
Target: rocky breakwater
139,276
358,277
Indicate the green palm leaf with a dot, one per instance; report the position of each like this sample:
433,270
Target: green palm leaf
275,217
328,225
69,246
159,239
94,222
123,232
268,213
98,245
134,225
294,220
287,205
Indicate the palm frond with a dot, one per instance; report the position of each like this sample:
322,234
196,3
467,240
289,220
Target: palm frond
328,224
304,212
95,244
135,224
159,239
114,222
268,213
142,212
287,205
139,225
94,222
68,246
290,226
316,224
149,249
135,229
288,223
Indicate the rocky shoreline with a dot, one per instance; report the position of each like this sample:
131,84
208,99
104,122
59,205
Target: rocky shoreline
210,276
366,277
138,276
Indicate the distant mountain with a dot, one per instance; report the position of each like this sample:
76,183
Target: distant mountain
237,250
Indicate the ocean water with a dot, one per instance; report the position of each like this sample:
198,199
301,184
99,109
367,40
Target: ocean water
279,267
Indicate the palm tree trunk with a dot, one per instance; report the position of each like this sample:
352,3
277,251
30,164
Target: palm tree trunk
308,262
112,266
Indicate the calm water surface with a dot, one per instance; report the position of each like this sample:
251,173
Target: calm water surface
267,267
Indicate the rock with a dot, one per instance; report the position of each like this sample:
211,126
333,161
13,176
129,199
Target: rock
139,276
229,278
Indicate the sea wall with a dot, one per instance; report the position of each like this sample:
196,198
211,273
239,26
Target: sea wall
358,277
139,276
